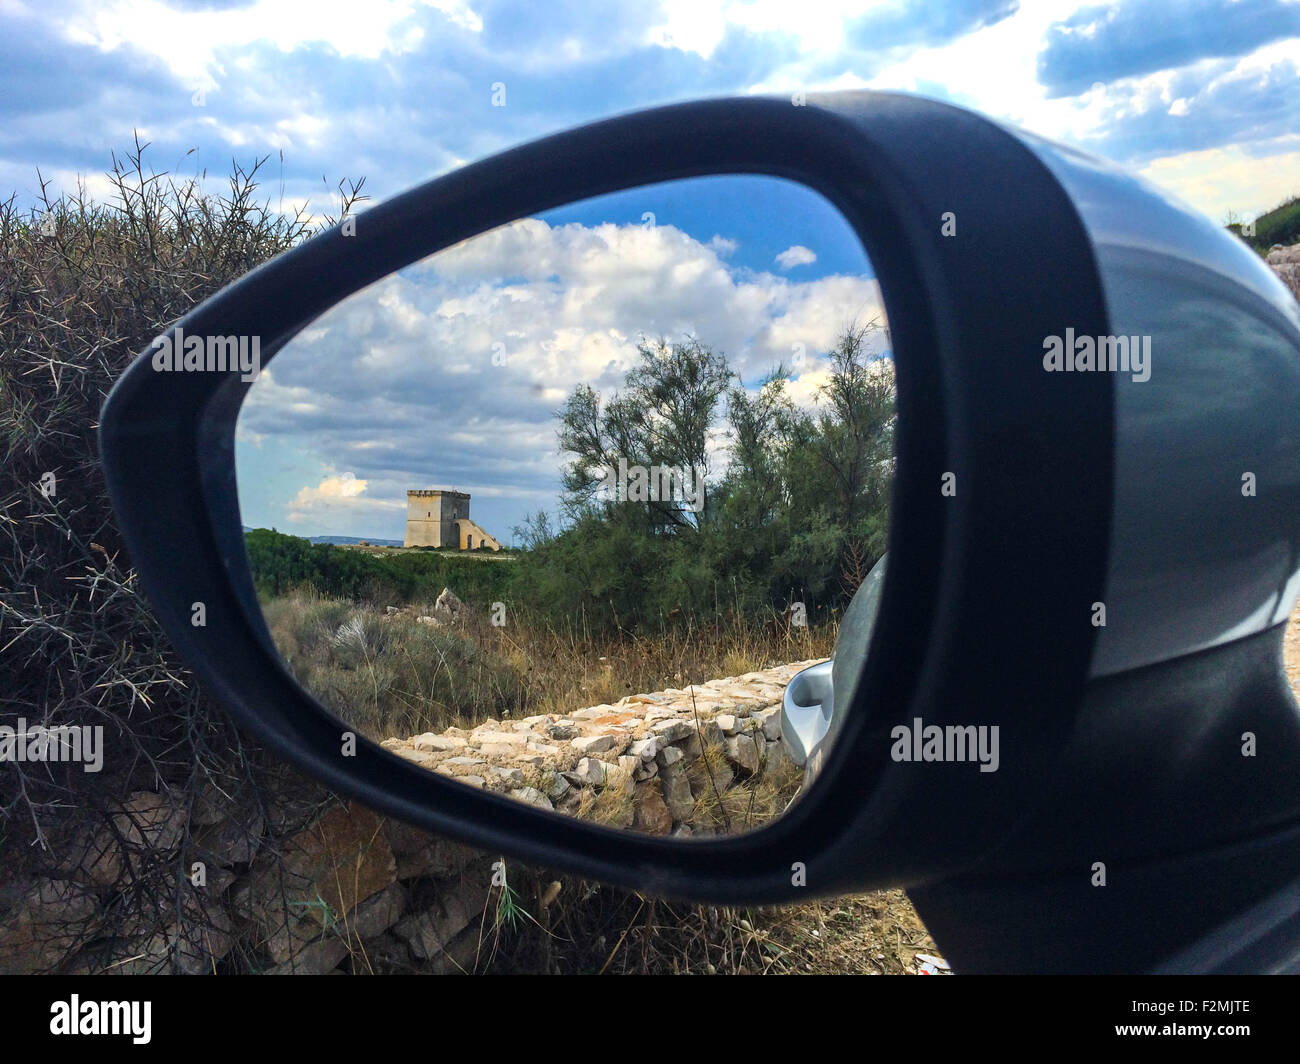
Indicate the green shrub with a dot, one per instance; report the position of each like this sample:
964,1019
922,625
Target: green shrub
1281,225
282,563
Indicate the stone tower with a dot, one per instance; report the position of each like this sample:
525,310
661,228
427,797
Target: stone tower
436,518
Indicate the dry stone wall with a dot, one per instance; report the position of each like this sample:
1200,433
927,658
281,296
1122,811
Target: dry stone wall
656,750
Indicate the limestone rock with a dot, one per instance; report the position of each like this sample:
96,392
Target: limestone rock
770,719
430,741
671,731
509,775
448,604
428,933
498,737
315,958
743,752
646,749
589,772
231,842
306,947
532,796
328,869
595,744
424,759
92,852
210,805
651,812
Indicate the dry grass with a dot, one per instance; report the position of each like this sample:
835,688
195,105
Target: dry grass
745,805
565,670
393,676
549,925
84,285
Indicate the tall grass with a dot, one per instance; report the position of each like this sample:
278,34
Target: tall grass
394,676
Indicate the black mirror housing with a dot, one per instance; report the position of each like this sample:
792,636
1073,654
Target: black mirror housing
1019,505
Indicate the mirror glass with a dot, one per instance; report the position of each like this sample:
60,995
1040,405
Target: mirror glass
561,511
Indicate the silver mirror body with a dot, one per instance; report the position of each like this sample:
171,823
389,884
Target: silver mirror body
815,701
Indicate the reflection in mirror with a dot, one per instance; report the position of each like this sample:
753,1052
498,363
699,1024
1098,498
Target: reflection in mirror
560,512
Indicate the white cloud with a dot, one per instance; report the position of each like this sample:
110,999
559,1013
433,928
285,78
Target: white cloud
444,375
797,255
994,70
330,491
336,502
188,40
691,25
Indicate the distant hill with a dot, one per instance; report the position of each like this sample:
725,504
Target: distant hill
338,540
343,540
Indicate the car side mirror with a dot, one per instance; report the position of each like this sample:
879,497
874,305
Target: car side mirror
1093,541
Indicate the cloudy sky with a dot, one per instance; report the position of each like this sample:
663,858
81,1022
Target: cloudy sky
1201,96
449,373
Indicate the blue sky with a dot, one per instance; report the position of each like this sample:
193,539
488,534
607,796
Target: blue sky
1201,96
